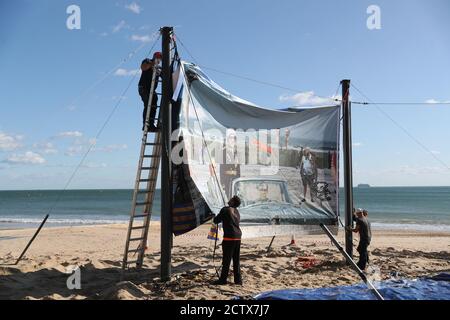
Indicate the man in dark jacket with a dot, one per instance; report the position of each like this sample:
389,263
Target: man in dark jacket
231,244
365,236
145,83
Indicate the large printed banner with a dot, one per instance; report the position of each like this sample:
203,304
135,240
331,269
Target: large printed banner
283,164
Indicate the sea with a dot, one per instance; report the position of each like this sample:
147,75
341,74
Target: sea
406,208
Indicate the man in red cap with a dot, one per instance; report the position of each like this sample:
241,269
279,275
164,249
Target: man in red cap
147,67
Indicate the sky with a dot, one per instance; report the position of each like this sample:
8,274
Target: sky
58,85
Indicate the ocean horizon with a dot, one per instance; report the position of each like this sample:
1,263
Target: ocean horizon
405,208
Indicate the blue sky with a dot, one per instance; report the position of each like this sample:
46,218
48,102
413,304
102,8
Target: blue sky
47,119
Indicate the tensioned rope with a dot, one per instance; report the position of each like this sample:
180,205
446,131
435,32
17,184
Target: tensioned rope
410,135
274,85
99,132
402,103
111,71
331,99
368,102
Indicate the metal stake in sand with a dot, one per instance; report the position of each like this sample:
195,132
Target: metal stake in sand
32,239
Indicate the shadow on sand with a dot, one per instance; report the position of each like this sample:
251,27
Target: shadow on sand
99,280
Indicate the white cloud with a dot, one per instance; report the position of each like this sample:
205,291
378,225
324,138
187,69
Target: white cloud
409,170
80,146
122,24
70,134
357,144
45,147
111,148
306,98
434,101
416,170
9,142
92,165
143,38
125,73
28,157
74,150
435,152
134,7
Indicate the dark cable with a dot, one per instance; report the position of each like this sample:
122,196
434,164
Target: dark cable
96,137
401,128
250,79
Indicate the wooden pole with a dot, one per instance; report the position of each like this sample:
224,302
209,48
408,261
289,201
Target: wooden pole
348,171
32,239
166,163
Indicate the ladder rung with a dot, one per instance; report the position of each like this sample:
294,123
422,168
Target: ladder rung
139,227
142,203
152,144
134,250
146,191
130,262
141,215
148,168
150,156
136,239
146,180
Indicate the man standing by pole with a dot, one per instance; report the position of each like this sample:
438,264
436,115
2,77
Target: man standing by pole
365,236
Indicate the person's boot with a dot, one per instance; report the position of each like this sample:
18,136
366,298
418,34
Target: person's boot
220,282
223,277
238,279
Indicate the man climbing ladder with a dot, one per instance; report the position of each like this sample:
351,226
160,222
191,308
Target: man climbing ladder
147,172
147,67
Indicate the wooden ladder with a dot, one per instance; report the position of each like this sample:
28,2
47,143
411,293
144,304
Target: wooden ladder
144,192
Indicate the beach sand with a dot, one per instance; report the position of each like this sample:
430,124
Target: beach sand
97,251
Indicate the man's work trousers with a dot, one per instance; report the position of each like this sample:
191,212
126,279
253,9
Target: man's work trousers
363,255
231,250
145,95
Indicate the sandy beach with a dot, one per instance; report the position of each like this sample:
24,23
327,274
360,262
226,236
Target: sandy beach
97,251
